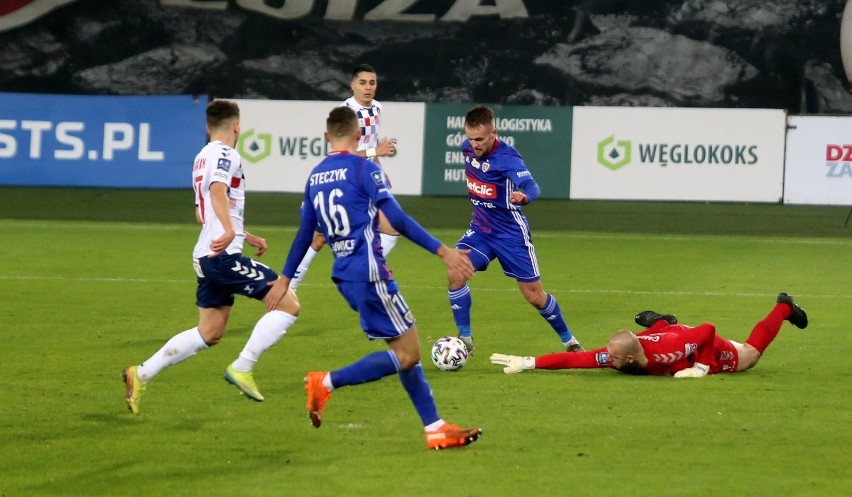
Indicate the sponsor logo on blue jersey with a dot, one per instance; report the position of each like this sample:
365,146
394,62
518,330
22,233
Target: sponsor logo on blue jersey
481,189
377,177
480,203
343,248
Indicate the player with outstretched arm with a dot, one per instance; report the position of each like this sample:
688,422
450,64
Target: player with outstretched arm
344,194
666,348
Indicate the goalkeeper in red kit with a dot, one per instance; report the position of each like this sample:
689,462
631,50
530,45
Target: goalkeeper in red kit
666,348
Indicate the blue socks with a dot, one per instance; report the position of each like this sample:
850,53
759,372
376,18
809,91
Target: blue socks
370,368
380,364
420,394
553,314
460,303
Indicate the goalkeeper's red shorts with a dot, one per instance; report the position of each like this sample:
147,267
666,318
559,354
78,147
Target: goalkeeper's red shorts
725,356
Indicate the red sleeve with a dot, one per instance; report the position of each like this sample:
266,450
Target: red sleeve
703,336
597,358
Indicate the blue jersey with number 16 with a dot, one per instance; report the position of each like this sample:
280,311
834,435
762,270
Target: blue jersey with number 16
341,196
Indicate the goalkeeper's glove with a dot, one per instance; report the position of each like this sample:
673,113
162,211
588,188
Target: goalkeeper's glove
697,370
513,363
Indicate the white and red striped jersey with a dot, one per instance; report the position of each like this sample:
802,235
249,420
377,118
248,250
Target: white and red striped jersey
218,163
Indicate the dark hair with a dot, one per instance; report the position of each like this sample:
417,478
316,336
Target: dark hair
341,122
219,111
362,68
479,116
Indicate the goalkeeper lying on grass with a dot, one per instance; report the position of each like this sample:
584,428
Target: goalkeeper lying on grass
666,348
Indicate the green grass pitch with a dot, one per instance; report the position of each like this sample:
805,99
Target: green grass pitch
81,299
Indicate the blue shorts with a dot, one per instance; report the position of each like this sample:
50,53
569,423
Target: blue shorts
220,277
384,313
516,254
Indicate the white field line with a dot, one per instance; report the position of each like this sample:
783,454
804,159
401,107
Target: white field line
449,234
509,288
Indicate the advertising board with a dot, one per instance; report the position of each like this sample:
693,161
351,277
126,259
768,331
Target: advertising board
819,160
282,140
678,154
102,141
542,135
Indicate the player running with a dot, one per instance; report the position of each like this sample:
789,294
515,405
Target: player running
343,194
498,184
220,266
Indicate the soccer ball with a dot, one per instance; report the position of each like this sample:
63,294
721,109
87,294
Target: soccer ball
449,354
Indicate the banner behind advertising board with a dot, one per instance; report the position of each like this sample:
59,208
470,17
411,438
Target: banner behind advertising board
379,10
282,140
819,160
542,135
678,154
103,141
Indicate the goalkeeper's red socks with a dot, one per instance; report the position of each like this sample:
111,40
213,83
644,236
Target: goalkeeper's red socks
767,328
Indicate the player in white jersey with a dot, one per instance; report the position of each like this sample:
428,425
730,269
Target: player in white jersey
364,83
221,268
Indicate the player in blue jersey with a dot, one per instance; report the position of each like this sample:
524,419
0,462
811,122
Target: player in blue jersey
364,84
343,195
498,184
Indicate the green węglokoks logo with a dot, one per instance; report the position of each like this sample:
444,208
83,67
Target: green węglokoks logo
254,147
614,154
